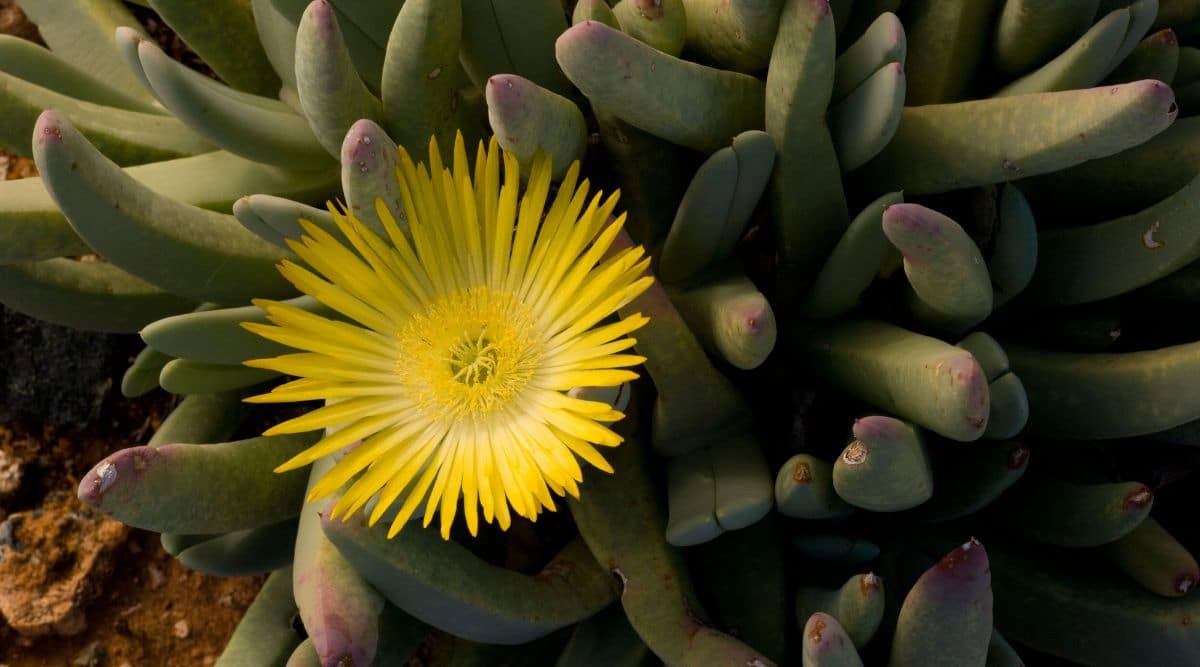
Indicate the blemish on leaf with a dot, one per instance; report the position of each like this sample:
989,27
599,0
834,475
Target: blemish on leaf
802,473
1148,237
817,628
869,582
1185,583
1139,498
958,556
855,453
1018,457
106,474
650,10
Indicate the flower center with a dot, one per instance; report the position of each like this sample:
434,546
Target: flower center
468,354
473,360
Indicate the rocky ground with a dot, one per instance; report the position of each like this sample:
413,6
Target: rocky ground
77,588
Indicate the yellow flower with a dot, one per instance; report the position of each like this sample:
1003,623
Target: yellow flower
463,334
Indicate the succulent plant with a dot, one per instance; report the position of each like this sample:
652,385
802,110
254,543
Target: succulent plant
964,252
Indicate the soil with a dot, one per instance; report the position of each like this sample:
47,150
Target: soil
13,22
121,598
76,588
